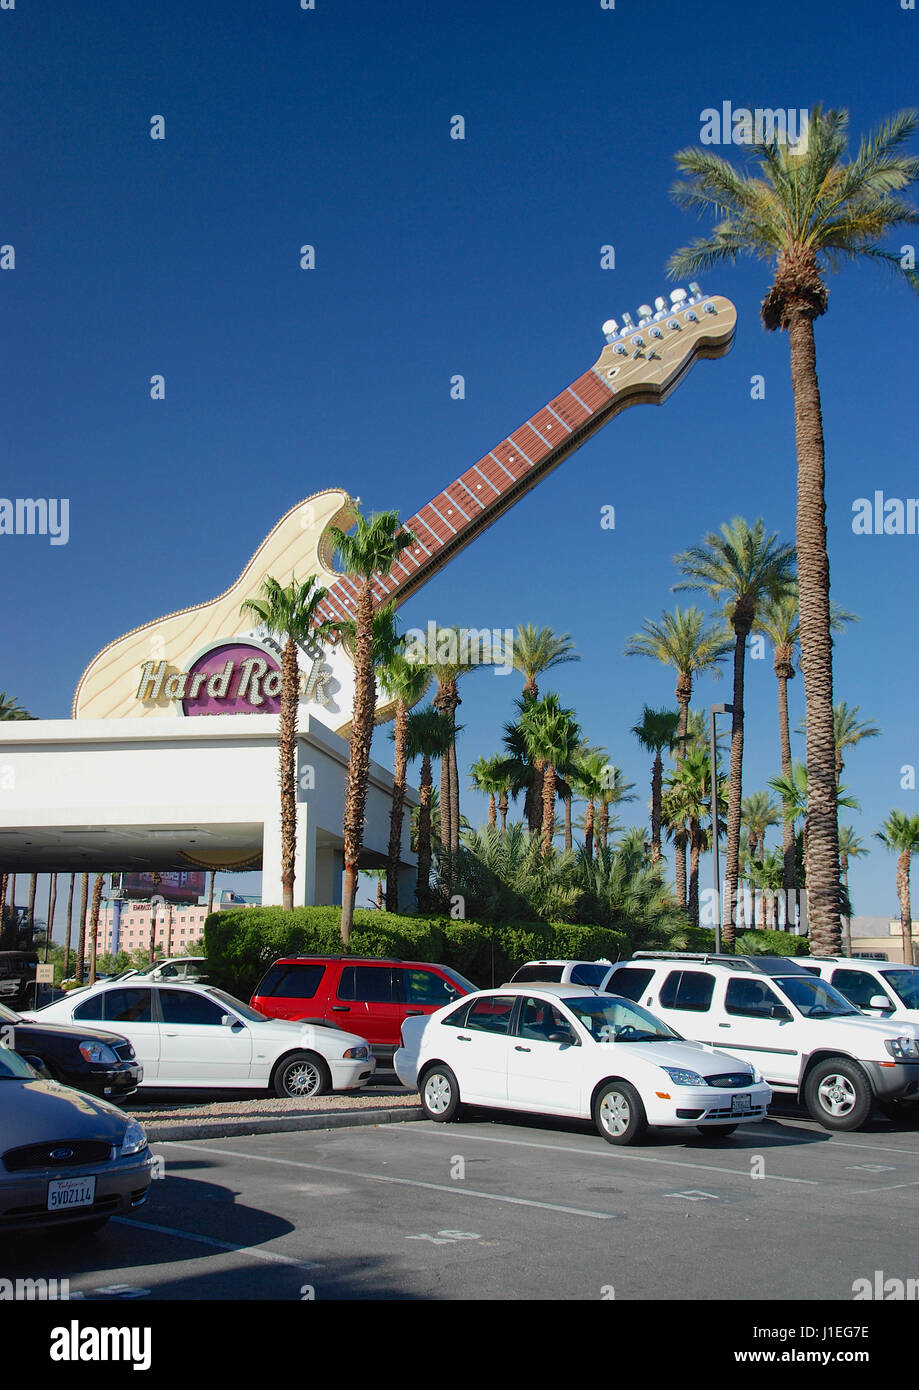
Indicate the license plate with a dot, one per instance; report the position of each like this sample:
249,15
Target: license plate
64,1193
741,1105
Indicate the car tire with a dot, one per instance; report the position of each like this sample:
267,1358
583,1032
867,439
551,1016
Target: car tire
301,1076
717,1131
439,1090
838,1094
619,1113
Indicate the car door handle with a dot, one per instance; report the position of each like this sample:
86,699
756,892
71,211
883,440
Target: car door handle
523,1049
341,1008
460,1038
172,1035
411,1013
724,1025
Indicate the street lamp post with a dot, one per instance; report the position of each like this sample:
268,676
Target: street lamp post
716,709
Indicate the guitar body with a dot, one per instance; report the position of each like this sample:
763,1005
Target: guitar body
209,659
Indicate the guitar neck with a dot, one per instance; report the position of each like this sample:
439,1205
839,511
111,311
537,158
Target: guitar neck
645,370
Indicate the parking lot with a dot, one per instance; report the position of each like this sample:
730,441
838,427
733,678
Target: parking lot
496,1208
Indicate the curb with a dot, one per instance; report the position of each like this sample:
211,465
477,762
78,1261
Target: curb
223,1129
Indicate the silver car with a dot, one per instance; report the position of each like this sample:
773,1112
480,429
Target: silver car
66,1158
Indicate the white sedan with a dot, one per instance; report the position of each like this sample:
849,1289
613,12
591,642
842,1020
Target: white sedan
572,1050
196,1035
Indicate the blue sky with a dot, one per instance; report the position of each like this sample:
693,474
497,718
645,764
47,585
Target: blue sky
434,257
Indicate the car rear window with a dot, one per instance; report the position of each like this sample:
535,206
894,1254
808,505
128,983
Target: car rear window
688,989
547,973
589,974
128,1005
291,981
631,983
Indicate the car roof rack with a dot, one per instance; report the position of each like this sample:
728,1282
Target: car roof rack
761,965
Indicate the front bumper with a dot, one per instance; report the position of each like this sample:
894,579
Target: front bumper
894,1080
705,1105
119,1080
350,1074
121,1184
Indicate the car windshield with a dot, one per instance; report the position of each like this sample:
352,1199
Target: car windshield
906,984
13,1067
242,1009
815,998
466,985
611,1020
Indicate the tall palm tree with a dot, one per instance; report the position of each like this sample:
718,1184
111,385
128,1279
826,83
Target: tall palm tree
94,926
406,682
10,708
758,812
655,732
686,805
537,650
900,833
81,948
614,791
807,212
850,847
369,550
289,615
428,735
767,874
65,969
795,792
517,767
551,735
588,783
684,640
485,778
739,569
847,731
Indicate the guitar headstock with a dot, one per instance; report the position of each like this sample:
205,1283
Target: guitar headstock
655,347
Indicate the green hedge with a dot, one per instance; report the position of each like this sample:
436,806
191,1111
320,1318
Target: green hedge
763,943
242,942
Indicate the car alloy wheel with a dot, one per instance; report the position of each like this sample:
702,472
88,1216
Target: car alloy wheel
440,1094
619,1113
837,1095
301,1077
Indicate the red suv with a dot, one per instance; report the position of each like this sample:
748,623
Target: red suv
363,995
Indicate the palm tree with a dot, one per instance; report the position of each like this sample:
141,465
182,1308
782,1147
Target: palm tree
656,731
739,569
794,791
537,650
65,969
81,948
486,779
552,736
807,212
614,791
758,812
900,833
847,731
449,665
289,615
94,926
428,735
588,783
10,708
517,768
406,682
686,804
682,640
369,551
767,874
850,847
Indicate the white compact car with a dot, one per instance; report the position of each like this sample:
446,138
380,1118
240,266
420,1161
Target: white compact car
805,1036
572,1050
196,1035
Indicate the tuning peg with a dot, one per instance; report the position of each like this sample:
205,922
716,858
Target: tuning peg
677,296
660,305
695,290
627,324
610,329
645,311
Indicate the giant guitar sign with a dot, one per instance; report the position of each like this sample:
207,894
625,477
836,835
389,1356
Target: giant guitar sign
207,659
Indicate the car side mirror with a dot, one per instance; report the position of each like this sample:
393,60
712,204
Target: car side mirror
227,1020
568,1038
780,1012
880,1001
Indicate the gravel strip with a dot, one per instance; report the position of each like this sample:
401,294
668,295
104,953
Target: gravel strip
207,1118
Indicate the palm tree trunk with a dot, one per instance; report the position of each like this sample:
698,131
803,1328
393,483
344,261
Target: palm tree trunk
906,915
397,811
657,778
33,886
492,810
423,881
455,801
66,967
568,835
680,839
287,753
534,802
603,829
380,894
210,892
823,904
695,846
81,949
365,691
847,920
52,904
502,812
94,926
548,808
788,824
735,781
589,828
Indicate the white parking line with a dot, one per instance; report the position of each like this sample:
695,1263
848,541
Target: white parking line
456,1190
601,1153
268,1255
891,1188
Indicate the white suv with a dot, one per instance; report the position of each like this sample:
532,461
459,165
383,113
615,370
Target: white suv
877,987
564,972
805,1037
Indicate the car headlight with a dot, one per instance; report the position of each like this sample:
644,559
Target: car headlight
902,1047
680,1077
97,1052
134,1139
756,1077
357,1053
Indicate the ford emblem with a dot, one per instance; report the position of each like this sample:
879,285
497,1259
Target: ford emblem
61,1153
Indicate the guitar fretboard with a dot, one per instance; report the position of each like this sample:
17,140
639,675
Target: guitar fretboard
478,497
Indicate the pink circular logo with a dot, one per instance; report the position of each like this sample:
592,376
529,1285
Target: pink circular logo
234,678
